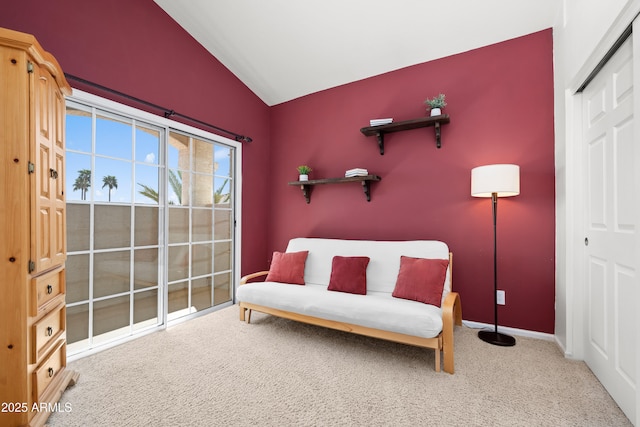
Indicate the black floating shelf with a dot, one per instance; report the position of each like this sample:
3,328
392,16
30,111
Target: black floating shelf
380,131
364,180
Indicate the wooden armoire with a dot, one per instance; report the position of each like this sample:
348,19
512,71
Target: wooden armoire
33,373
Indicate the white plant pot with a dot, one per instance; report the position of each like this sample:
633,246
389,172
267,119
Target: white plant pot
304,177
436,111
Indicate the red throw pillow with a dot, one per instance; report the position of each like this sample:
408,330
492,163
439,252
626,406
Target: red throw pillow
287,267
349,274
421,279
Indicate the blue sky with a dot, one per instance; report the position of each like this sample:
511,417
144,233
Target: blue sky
114,152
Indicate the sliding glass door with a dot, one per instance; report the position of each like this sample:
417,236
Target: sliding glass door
150,213
200,224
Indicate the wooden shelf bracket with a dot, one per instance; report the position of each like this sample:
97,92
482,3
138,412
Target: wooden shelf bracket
380,136
436,126
367,193
306,192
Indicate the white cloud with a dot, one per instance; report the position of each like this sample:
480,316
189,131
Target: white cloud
222,154
150,158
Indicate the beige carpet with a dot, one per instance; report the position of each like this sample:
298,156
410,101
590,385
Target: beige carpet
218,371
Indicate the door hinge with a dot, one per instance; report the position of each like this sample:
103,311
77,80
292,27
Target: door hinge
32,266
31,168
29,67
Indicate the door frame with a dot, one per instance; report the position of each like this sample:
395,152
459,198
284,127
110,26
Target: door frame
636,130
576,197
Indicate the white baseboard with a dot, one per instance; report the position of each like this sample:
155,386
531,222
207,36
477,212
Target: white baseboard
511,331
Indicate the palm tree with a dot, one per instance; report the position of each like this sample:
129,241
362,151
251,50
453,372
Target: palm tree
110,181
82,183
175,181
149,192
218,197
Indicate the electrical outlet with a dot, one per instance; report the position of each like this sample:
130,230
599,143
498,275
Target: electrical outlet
500,295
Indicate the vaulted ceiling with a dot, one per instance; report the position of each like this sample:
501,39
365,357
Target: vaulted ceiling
285,49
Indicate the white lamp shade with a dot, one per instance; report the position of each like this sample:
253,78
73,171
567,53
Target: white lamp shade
501,179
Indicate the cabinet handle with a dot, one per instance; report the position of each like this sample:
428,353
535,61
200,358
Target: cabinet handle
50,371
49,331
49,289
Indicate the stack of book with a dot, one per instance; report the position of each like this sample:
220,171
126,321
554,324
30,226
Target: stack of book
378,122
356,172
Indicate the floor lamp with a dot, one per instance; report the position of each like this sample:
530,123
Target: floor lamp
495,181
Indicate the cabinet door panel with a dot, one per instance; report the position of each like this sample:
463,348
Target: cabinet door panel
44,171
43,210
58,121
59,237
43,238
59,244
42,106
50,227
41,195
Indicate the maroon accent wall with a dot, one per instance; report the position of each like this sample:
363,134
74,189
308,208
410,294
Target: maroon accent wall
500,99
134,47
501,106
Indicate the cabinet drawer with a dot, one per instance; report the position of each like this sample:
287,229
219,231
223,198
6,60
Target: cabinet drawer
46,332
49,370
46,288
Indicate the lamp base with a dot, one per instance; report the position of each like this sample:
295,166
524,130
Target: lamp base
497,338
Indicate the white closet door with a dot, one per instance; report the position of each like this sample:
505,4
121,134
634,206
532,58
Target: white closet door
612,217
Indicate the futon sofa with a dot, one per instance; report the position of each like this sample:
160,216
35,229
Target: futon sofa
394,290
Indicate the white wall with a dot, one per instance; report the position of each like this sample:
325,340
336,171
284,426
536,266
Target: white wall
583,33
583,26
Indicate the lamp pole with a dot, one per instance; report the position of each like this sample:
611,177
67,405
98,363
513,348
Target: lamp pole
495,337
494,204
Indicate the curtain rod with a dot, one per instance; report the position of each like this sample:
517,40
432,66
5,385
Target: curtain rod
167,112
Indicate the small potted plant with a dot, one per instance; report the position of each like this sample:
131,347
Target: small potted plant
304,170
436,104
